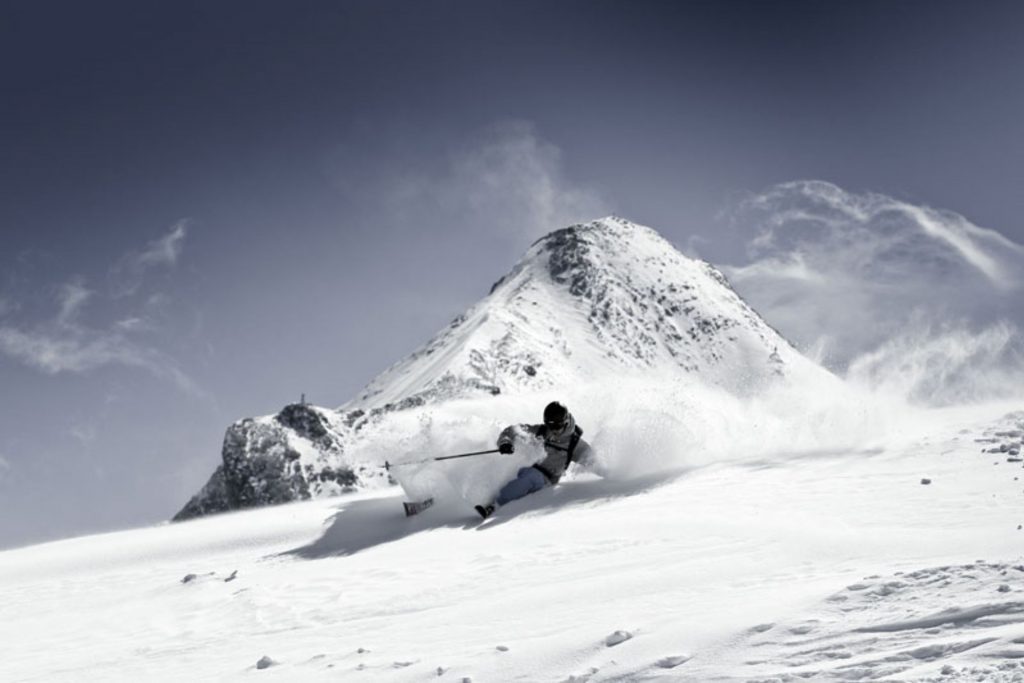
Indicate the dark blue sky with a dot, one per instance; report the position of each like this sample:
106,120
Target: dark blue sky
208,208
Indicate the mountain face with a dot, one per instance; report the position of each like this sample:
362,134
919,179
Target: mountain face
604,297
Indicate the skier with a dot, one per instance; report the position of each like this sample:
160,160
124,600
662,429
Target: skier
562,444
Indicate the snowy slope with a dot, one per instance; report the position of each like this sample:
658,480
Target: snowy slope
587,305
813,564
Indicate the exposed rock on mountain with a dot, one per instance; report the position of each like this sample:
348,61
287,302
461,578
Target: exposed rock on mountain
291,456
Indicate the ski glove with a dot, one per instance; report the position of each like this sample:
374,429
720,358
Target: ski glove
506,448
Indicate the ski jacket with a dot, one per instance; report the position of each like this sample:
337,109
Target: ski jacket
560,450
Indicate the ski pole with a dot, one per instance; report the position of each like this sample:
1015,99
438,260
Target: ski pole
388,465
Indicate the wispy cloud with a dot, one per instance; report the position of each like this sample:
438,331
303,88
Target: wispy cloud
71,298
65,342
847,272
942,364
79,350
85,433
134,324
510,173
875,235
55,351
5,468
165,250
505,179
128,273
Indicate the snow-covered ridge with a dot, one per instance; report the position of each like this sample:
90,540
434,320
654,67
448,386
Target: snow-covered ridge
604,298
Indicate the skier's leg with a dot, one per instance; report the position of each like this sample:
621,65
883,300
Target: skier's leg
528,480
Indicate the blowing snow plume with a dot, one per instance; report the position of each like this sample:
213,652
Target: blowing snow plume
907,298
660,360
642,426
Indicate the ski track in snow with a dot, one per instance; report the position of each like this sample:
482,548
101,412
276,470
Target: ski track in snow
817,566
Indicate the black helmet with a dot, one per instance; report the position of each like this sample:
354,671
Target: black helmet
556,416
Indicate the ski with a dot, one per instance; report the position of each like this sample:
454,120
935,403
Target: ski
415,508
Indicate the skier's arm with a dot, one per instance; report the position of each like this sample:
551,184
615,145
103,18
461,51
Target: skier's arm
508,437
506,440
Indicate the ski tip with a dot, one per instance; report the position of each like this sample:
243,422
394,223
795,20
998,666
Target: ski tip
417,507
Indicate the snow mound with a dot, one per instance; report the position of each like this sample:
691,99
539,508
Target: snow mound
617,638
903,626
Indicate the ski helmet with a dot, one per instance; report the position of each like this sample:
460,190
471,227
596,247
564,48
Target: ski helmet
556,415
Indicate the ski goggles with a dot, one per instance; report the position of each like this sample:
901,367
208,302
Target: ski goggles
557,426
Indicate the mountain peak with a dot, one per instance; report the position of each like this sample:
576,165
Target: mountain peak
573,254
601,235
609,226
573,250
590,298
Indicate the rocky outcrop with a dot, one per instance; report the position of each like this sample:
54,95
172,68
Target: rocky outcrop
263,463
211,499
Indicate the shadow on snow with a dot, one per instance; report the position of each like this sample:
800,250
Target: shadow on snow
364,524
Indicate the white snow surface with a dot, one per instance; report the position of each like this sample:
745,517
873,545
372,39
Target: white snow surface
827,561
